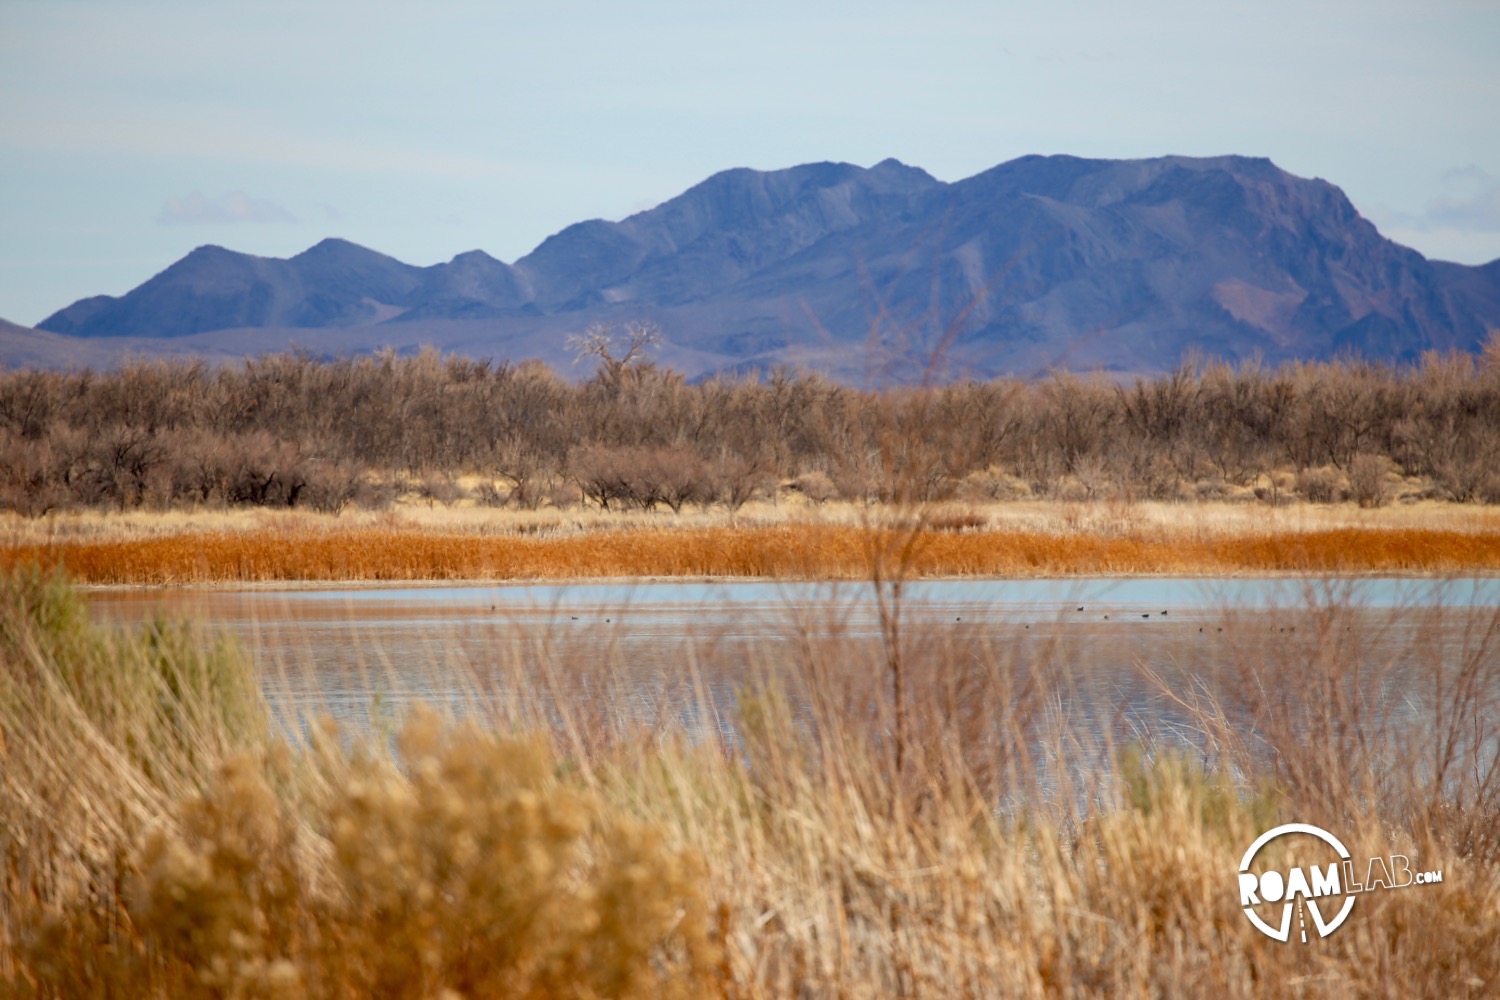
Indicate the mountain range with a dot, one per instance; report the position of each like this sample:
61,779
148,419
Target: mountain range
1044,261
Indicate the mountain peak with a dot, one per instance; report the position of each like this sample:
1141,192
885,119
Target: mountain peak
473,258
895,175
1043,261
333,247
209,252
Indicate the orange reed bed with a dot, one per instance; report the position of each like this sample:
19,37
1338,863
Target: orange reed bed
796,550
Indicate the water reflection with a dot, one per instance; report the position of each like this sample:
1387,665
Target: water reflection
676,653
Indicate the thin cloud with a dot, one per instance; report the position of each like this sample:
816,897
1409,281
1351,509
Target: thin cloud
1470,203
233,208
1474,205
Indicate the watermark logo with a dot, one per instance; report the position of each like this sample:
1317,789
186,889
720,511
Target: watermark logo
1321,894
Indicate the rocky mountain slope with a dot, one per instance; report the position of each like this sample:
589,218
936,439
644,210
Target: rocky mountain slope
1039,262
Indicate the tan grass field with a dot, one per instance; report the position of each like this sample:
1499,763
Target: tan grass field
786,541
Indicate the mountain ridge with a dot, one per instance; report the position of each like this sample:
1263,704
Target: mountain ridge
1127,265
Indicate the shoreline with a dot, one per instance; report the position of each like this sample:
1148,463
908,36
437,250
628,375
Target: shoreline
251,586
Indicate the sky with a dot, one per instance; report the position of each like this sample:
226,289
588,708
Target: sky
132,131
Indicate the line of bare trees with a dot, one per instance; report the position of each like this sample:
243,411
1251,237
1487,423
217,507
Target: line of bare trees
290,430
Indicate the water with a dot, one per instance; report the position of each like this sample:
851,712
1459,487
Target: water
333,615
660,652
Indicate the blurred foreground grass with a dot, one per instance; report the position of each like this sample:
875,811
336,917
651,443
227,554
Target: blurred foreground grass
162,835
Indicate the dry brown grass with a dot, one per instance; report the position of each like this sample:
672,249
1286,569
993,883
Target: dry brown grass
587,858
310,550
157,840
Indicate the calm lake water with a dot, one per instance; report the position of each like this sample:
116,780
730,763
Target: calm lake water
678,651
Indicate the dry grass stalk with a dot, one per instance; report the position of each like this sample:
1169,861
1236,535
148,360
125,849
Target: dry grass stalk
787,550
567,851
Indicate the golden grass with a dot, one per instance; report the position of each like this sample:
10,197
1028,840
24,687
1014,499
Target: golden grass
1039,516
787,550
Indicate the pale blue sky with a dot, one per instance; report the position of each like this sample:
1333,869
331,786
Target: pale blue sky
132,131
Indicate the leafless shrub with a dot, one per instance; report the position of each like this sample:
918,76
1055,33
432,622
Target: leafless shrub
1091,478
1456,480
263,471
992,483
439,487
1322,485
524,464
673,476
816,486
177,434
684,477
330,486
29,478
563,494
1078,419
1210,489
488,494
1369,480
601,476
736,480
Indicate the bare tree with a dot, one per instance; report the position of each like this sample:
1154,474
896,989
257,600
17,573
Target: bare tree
616,351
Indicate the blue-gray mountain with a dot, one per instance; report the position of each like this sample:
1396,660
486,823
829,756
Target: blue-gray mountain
1043,261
